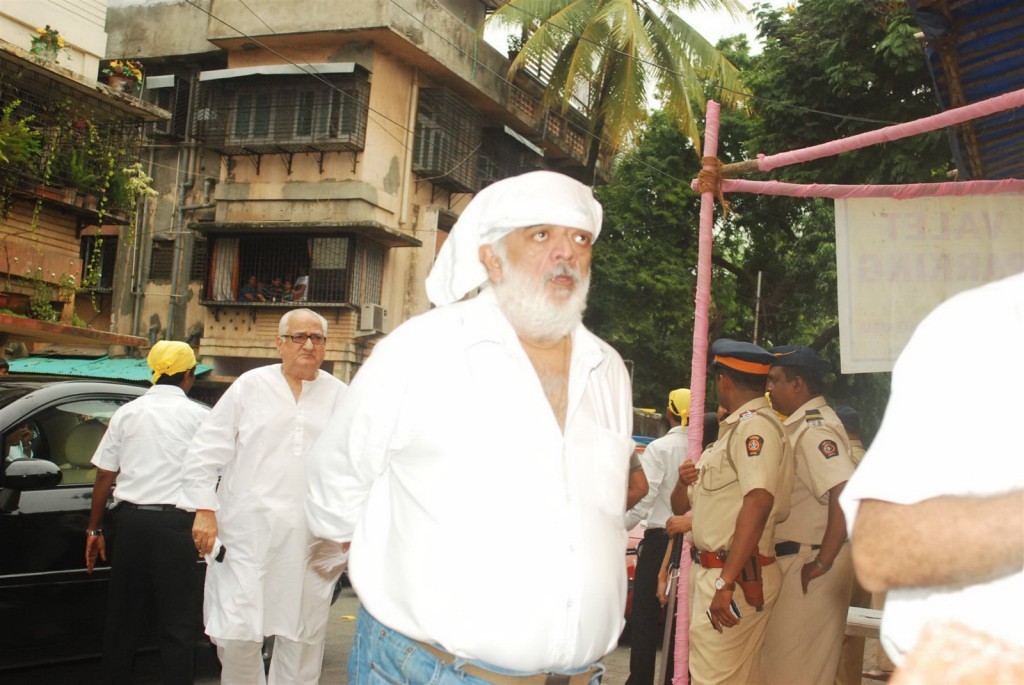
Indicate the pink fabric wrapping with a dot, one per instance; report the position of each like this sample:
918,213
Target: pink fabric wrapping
698,373
898,192
959,115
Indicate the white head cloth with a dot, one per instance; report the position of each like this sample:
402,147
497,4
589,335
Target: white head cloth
538,197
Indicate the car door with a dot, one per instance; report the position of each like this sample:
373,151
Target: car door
51,608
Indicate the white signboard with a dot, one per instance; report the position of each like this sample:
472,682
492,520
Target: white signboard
897,259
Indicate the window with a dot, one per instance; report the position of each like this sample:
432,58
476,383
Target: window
67,435
448,138
99,257
341,269
161,261
263,114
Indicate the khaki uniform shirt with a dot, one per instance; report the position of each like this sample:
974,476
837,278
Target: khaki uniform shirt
856,451
822,458
751,453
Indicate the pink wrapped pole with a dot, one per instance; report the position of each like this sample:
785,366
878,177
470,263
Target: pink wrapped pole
698,376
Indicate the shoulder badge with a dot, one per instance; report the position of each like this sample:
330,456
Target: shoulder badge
754,445
815,421
746,415
828,448
812,412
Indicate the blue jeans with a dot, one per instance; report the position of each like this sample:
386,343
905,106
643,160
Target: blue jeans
382,656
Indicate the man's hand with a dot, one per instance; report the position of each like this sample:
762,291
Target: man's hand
328,558
95,545
679,525
809,572
204,531
688,472
721,612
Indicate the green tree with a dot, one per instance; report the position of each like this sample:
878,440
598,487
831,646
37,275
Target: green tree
614,55
814,58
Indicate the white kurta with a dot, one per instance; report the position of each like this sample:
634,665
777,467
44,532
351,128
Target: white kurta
259,436
475,523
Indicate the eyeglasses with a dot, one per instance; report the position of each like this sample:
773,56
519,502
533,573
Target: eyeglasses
301,338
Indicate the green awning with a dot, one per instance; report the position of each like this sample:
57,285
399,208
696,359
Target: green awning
120,369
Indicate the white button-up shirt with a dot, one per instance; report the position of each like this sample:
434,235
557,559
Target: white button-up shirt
475,523
661,460
146,443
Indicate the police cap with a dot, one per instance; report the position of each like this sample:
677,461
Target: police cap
742,356
799,355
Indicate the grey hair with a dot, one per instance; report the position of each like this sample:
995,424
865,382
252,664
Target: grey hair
282,327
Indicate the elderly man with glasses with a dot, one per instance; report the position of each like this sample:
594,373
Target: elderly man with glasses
252,526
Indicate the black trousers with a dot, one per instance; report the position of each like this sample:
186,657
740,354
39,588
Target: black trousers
153,567
646,631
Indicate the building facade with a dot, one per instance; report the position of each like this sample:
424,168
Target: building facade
325,153
68,149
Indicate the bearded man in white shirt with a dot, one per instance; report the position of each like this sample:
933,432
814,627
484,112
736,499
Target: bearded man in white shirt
258,437
479,467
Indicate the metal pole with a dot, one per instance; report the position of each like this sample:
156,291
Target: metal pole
757,306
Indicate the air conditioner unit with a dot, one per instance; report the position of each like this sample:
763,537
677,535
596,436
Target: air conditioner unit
373,318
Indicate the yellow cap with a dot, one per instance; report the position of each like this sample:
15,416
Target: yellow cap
169,357
679,403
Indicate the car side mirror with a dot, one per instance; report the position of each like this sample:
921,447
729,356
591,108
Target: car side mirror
23,475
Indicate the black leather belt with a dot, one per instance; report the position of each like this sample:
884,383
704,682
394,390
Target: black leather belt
150,507
785,549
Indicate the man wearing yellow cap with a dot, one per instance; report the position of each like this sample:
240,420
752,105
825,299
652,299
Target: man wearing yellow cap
154,560
660,460
738,491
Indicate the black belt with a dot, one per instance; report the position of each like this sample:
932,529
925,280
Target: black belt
150,507
785,549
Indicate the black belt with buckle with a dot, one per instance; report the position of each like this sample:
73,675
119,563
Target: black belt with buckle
785,549
150,507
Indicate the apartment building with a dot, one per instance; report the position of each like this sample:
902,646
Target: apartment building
327,150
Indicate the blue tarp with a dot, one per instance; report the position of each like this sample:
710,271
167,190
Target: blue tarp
983,41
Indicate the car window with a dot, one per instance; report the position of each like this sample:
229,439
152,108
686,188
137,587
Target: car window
66,434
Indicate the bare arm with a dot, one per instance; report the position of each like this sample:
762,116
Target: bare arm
636,489
894,545
95,545
831,542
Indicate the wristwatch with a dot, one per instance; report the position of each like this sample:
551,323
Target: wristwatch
720,584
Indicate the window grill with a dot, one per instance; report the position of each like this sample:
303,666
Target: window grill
448,138
172,97
86,141
161,261
339,269
502,156
262,114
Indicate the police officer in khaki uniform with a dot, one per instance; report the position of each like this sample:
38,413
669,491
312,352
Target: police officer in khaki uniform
805,632
738,490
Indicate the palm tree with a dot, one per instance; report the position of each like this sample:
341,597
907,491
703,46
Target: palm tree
612,56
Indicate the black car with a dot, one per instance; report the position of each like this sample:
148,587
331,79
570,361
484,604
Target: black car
51,608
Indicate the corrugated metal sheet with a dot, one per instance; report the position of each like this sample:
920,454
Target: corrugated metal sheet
975,51
105,367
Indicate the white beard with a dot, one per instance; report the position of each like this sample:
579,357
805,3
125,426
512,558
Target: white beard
532,310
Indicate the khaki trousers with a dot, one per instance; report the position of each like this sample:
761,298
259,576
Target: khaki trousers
805,632
730,656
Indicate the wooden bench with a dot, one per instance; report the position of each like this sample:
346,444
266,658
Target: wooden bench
863,622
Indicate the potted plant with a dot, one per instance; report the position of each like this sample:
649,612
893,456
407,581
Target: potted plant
47,43
79,175
124,75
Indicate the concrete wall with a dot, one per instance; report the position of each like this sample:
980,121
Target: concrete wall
139,28
80,22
